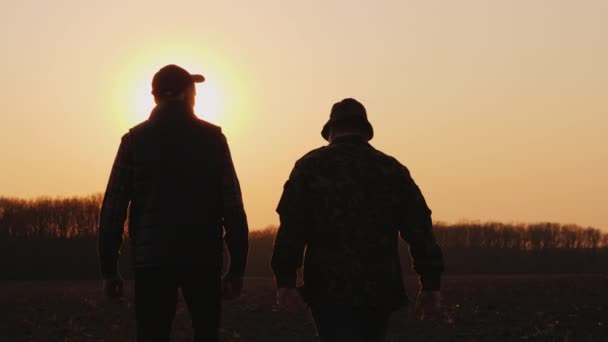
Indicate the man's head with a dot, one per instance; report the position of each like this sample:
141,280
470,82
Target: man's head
173,83
348,117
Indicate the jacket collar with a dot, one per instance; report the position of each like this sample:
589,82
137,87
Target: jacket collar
172,109
352,139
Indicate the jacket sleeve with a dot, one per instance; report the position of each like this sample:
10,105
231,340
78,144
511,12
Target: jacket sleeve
291,238
114,209
416,227
233,213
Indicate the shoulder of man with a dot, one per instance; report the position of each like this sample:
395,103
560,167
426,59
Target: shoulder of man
199,122
137,128
308,160
209,126
294,189
391,162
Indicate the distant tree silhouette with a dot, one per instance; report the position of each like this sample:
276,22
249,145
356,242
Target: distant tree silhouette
76,217
536,236
49,218
55,238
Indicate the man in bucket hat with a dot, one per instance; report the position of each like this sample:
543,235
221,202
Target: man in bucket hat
175,175
345,204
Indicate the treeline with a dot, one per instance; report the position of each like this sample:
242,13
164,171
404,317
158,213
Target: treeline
518,236
77,217
55,238
49,218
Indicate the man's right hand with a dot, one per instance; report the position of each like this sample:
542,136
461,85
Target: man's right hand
428,304
232,287
290,300
112,287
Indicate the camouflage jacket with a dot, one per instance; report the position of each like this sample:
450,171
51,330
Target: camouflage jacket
345,204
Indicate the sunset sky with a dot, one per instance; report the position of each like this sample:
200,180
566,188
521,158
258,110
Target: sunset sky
498,108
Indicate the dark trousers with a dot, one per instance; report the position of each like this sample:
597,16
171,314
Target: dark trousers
336,324
156,300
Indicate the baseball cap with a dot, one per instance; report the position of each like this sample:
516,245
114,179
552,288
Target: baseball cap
171,80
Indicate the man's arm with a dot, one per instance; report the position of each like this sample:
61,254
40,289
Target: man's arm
291,237
114,210
417,229
235,219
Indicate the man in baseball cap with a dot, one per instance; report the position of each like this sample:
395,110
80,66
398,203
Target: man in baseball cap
171,80
174,175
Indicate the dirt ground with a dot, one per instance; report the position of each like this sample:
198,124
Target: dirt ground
477,308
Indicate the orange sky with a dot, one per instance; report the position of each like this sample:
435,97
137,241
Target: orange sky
499,109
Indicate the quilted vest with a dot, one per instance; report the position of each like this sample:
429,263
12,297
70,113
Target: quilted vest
175,213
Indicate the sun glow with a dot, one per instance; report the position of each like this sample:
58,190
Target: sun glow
208,101
133,101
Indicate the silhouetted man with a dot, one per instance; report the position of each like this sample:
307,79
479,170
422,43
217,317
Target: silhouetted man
346,203
176,172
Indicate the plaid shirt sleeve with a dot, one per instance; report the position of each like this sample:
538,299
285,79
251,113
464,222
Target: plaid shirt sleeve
114,209
417,229
291,239
233,213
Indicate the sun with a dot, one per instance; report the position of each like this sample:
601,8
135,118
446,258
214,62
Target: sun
208,101
224,99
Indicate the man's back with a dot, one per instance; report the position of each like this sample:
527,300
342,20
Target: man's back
176,211
351,200
344,204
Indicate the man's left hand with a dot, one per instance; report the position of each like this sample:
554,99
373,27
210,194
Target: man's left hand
232,287
112,287
290,300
